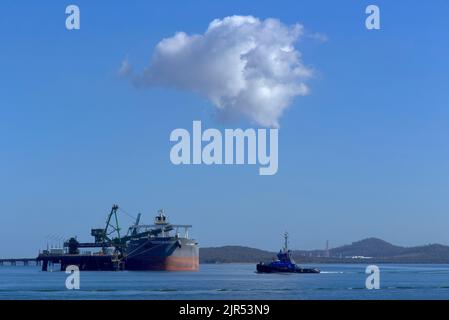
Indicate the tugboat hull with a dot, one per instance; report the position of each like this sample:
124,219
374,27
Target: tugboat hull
263,268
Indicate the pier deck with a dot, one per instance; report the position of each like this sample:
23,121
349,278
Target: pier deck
16,261
83,261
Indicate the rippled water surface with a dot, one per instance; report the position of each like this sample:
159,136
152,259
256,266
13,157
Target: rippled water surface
230,281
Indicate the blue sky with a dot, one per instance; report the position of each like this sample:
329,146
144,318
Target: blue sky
366,153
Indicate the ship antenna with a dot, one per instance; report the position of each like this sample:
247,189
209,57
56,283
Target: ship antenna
286,241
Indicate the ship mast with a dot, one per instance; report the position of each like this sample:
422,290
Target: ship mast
285,241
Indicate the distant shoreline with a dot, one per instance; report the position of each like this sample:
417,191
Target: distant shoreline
327,263
367,251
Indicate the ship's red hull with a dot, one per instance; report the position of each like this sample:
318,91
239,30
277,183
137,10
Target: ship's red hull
169,254
165,264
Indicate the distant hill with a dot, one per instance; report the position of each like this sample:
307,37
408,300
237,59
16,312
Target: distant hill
229,254
363,251
371,247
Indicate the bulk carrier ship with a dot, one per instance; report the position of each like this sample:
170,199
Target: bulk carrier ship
159,246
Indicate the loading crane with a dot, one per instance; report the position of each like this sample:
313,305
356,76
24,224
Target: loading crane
109,236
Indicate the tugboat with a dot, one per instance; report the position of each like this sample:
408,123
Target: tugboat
285,263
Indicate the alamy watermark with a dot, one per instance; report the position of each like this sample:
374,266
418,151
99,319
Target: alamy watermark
73,20
73,280
372,22
373,280
210,148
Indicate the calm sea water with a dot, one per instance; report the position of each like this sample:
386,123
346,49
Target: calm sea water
230,281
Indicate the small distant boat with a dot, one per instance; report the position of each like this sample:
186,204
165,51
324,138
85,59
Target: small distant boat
285,263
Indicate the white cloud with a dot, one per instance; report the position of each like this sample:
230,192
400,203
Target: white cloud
320,37
245,66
